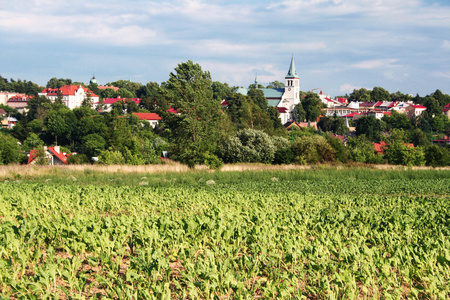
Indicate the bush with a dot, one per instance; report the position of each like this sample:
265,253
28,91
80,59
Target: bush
110,157
437,156
78,159
249,145
313,149
283,153
400,154
361,150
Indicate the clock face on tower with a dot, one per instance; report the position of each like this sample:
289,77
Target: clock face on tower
289,89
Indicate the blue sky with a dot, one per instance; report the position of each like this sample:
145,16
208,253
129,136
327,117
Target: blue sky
338,45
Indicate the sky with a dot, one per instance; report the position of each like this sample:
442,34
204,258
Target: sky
338,45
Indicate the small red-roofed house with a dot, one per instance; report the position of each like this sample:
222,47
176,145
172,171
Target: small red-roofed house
415,110
152,118
53,154
446,110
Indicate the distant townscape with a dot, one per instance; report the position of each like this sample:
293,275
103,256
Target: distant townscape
194,120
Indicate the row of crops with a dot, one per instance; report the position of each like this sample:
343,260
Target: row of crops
265,238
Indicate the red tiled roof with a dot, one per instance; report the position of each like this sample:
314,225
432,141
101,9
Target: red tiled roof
18,98
350,115
342,100
224,103
387,113
379,147
379,103
418,106
446,108
148,116
367,104
282,110
391,105
2,111
172,110
52,150
59,155
68,90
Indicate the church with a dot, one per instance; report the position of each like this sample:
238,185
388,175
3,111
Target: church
285,98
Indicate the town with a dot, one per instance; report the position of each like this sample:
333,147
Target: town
195,120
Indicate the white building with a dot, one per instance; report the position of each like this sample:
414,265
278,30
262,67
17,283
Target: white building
71,95
285,98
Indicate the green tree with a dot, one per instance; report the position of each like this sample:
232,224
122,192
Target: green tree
275,85
61,123
312,106
379,94
9,150
220,90
257,97
370,126
359,95
274,115
298,113
196,128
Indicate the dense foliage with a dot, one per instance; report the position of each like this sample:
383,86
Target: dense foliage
196,129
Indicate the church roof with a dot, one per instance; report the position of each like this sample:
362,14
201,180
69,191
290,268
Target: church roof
273,93
292,71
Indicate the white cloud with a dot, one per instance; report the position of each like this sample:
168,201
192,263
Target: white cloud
374,64
348,88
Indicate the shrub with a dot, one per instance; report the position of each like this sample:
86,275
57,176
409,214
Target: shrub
249,145
437,156
78,159
400,154
313,149
110,157
283,153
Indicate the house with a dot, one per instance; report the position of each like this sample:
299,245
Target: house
446,110
152,118
2,113
285,98
53,154
8,122
71,95
298,125
414,110
19,101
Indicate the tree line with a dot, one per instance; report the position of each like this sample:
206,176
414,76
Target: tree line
196,129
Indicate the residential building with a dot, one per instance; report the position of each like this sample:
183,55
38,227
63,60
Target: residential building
152,118
415,110
71,95
446,110
53,154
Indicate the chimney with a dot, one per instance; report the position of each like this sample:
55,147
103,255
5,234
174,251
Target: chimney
57,149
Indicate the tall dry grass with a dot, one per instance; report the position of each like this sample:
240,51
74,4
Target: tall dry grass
16,171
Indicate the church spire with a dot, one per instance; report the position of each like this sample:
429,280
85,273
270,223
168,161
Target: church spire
292,71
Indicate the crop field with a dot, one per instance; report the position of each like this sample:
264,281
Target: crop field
305,234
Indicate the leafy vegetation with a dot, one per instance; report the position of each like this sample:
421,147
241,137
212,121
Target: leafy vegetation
321,233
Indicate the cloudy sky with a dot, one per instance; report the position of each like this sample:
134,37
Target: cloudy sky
338,45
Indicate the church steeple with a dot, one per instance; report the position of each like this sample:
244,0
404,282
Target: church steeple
292,71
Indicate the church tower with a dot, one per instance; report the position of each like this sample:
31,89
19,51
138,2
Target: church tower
291,95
